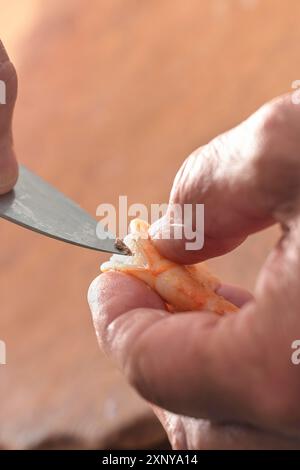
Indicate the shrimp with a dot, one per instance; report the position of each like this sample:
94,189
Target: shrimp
183,288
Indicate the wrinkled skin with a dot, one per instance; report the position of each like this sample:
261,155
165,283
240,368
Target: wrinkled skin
231,377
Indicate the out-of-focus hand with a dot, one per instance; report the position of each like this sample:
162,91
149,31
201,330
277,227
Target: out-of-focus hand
222,382
8,163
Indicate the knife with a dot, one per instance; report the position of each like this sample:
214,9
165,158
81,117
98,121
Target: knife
38,206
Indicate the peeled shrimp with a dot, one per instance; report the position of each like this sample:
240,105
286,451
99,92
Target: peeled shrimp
183,288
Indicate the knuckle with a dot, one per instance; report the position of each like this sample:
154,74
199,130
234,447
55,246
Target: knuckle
276,131
193,179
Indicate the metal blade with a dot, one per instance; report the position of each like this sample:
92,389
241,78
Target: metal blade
36,205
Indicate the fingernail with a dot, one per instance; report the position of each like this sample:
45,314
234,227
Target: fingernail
166,229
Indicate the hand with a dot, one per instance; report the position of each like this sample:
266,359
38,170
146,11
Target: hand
222,382
8,163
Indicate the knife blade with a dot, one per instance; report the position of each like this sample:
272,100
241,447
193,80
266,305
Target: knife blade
38,206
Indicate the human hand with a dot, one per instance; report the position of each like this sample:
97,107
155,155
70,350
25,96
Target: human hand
8,163
222,382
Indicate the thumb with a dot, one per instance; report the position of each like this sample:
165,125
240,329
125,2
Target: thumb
243,177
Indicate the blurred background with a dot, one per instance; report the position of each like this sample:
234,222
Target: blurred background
113,95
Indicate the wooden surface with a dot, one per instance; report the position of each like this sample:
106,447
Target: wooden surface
112,98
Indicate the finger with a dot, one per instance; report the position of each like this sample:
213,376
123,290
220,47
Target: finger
8,93
112,294
245,178
235,294
8,168
3,53
185,363
9,76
